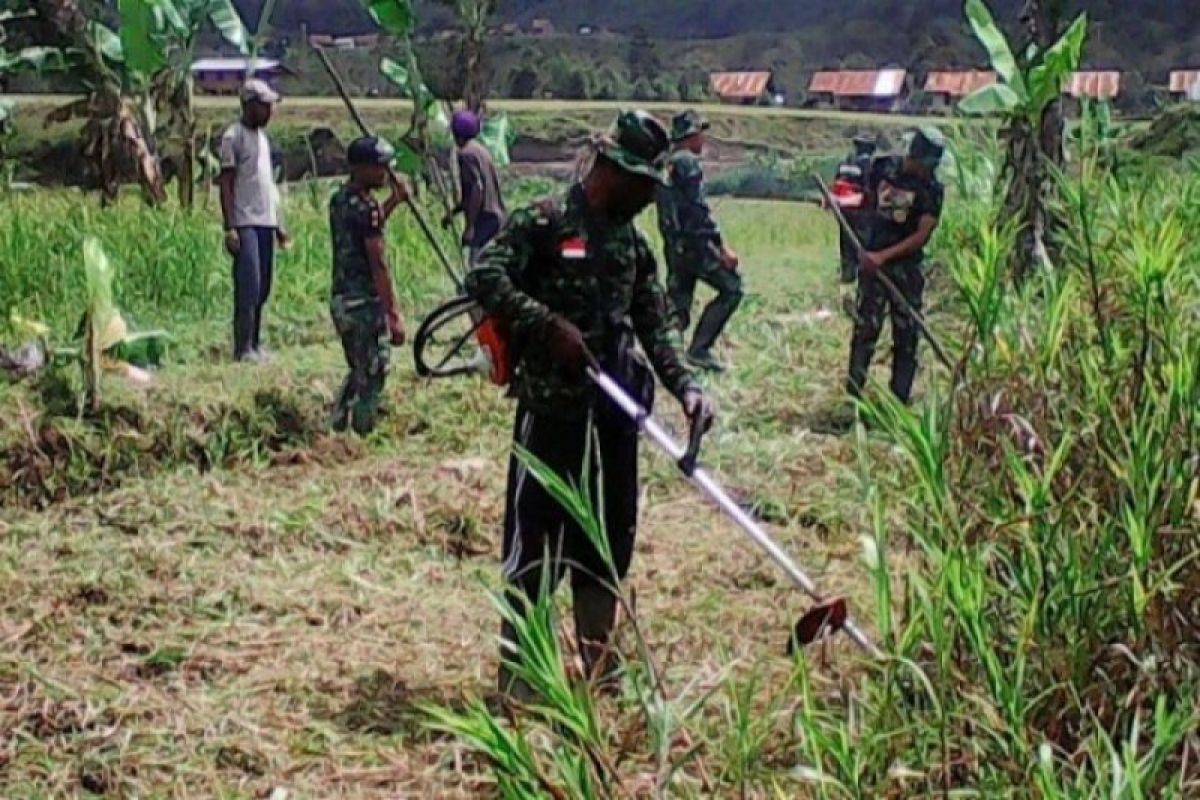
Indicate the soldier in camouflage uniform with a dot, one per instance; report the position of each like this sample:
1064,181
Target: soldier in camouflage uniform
695,249
575,283
363,305
903,208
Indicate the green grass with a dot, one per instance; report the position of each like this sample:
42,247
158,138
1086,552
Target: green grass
207,595
309,584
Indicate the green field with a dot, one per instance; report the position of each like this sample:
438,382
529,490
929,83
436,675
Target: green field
400,107
208,595
47,153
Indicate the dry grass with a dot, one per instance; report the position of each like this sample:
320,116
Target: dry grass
276,624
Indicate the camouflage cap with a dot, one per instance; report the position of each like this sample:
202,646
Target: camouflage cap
927,146
638,144
687,124
370,150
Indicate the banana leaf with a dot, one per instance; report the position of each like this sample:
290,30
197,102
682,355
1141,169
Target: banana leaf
993,40
225,19
995,99
8,14
1058,62
36,58
394,16
496,136
140,22
110,334
169,16
142,349
107,42
28,328
407,160
108,327
414,89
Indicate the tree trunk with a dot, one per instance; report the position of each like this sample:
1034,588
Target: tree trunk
187,172
474,88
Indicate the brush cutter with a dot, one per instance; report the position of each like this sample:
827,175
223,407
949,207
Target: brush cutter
462,315
342,91
892,289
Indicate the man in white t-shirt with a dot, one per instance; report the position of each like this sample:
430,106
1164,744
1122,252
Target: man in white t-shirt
250,209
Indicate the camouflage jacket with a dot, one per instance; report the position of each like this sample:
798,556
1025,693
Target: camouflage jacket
354,217
683,212
558,257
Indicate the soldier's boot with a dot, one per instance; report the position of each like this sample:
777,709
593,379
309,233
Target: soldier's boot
868,324
904,364
366,410
595,609
861,353
511,687
339,419
363,416
712,323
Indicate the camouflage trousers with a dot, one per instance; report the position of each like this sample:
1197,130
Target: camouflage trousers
846,248
874,302
688,265
361,326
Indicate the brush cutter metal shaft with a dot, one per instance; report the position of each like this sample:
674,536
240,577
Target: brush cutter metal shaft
709,486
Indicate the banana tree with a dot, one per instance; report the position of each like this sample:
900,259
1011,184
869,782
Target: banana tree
168,45
1027,98
117,110
108,343
473,17
12,62
417,148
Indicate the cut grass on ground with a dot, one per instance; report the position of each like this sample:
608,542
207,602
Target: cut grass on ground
279,623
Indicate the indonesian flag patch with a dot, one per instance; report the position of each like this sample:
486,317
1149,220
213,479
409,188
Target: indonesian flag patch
573,249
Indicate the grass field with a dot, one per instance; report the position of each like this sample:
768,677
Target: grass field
400,107
207,595
47,153
274,623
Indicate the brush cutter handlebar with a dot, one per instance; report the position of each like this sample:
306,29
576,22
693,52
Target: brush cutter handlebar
827,617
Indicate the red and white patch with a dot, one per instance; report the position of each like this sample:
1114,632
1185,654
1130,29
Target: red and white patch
573,249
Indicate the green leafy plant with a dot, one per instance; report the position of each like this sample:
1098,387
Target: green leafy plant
107,339
473,18
1025,97
135,74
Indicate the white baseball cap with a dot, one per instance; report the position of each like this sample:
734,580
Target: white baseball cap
260,90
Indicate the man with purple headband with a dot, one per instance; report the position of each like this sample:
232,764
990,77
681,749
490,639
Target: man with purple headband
480,201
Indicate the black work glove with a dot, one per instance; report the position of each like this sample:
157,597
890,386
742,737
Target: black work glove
566,345
699,409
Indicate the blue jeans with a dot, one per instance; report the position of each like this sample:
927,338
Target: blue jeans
253,268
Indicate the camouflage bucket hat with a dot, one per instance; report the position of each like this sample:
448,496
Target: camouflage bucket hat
687,124
927,145
638,144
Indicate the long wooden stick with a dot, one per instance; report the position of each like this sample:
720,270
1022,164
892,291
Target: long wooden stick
344,93
897,296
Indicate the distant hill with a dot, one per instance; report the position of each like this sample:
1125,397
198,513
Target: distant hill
1149,36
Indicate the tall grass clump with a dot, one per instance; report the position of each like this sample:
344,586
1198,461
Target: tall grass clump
1043,639
1053,502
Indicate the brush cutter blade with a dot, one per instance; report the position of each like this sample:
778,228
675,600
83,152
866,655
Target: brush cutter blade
822,620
